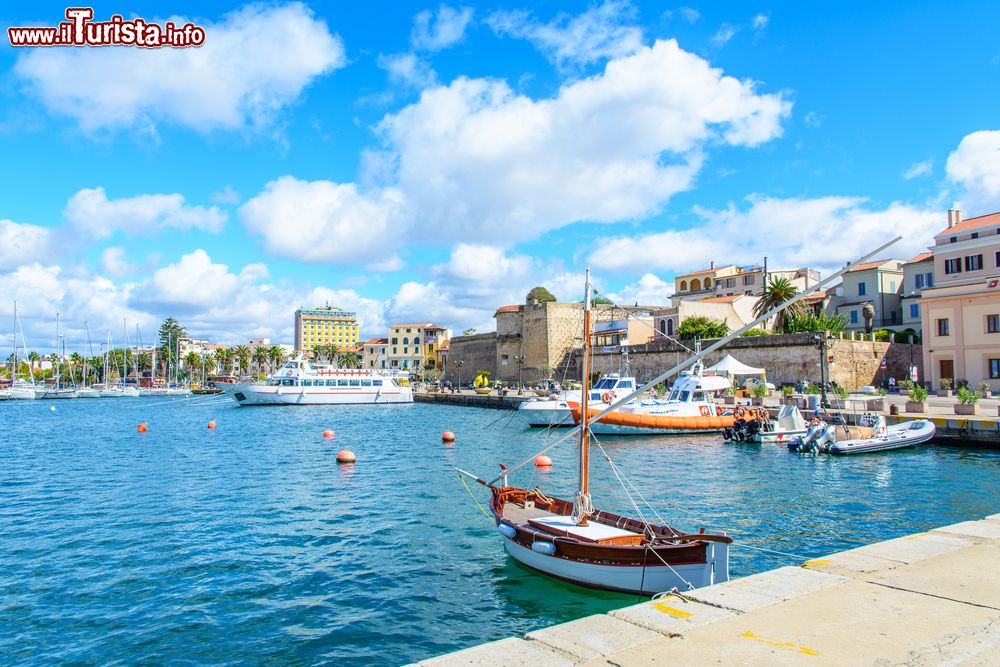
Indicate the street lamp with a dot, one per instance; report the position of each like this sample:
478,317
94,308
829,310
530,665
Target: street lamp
459,363
520,363
823,345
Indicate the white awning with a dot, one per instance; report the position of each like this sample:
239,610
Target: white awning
732,366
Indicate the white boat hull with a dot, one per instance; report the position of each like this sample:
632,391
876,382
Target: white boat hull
88,392
259,394
648,579
898,436
59,394
23,393
546,413
777,437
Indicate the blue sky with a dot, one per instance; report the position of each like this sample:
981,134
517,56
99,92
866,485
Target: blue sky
419,161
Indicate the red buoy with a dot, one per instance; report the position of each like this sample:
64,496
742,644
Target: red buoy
543,461
328,433
211,425
448,436
141,428
346,456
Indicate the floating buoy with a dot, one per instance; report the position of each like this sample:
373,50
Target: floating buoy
52,408
141,428
346,456
448,436
211,424
543,461
328,433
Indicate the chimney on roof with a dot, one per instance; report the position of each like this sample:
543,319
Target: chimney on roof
951,218
958,216
711,264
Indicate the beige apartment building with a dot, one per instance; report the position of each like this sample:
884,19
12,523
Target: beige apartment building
918,275
878,283
374,354
960,313
414,347
735,311
733,280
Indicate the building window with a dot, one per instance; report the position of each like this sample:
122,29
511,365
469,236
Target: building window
975,235
663,327
670,327
416,340
920,280
854,317
862,289
730,282
718,284
892,285
994,369
749,292
953,239
952,266
930,279
996,259
973,262
914,310
942,327
395,340
748,280
993,324
684,283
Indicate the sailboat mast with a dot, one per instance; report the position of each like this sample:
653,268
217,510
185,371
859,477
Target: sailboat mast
582,506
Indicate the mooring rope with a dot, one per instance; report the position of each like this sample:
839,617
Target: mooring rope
474,499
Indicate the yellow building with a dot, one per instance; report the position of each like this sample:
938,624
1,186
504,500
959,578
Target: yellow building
326,326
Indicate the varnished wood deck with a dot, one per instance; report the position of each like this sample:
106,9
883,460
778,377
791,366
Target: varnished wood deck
519,514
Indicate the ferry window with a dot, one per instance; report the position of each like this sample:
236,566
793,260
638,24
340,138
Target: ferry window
684,396
331,383
307,383
288,382
341,383
355,383
376,383
366,383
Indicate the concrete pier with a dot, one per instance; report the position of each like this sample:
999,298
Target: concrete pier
473,400
925,599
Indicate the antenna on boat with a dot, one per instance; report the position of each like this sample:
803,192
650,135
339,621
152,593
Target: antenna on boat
711,348
582,507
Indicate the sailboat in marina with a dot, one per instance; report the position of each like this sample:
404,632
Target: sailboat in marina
58,391
574,541
87,391
22,389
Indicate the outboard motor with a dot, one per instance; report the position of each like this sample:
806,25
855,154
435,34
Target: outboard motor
819,437
742,430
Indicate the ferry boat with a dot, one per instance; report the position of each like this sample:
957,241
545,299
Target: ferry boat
301,382
555,410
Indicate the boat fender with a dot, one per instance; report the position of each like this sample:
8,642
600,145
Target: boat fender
547,548
608,397
507,530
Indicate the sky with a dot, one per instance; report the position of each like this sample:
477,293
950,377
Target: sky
417,161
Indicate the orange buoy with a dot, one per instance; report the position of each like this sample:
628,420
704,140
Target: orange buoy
211,424
328,433
346,456
448,436
141,428
543,461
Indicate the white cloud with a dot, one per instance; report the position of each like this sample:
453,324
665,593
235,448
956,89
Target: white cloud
650,290
322,221
820,233
114,262
760,21
918,169
604,31
192,282
686,14
226,195
408,69
813,119
23,244
91,212
254,62
441,29
394,263
975,166
484,164
725,33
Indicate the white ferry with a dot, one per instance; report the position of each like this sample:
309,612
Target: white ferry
300,382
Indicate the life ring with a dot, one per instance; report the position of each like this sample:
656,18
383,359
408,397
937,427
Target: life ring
740,413
608,397
290,373
704,411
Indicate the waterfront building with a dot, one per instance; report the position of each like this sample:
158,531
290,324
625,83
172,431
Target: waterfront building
413,347
734,310
327,325
535,339
879,283
374,353
918,275
960,312
701,284
434,338
733,280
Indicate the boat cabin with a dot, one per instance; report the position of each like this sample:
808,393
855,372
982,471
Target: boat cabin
614,383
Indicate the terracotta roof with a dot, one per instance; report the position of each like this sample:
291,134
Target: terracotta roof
377,341
723,299
870,265
412,324
508,309
815,296
444,345
695,273
972,224
922,257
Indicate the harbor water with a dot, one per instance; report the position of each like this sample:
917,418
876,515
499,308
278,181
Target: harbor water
249,543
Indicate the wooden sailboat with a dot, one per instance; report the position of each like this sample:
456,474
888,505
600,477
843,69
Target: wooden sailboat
573,541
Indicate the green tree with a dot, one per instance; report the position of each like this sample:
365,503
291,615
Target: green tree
810,323
541,295
349,360
777,292
600,301
261,356
277,356
469,332
191,363
170,332
701,327
208,364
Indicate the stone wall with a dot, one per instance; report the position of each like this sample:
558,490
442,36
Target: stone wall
477,353
787,359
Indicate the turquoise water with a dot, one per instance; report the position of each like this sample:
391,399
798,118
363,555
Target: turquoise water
250,544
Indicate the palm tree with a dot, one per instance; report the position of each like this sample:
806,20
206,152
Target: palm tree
349,360
277,356
224,361
191,361
243,355
333,353
777,292
261,356
319,351
75,364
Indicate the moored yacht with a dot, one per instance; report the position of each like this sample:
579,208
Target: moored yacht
555,411
300,382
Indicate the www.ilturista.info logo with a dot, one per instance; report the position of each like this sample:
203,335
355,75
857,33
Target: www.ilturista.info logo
80,30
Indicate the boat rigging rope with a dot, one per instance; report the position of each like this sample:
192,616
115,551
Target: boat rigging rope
474,499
